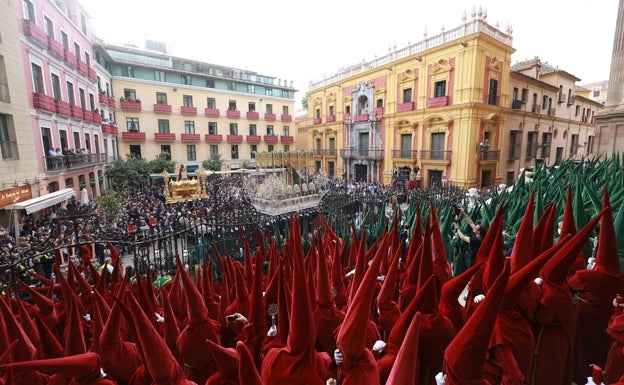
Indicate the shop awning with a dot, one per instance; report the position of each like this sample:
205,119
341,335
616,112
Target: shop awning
35,204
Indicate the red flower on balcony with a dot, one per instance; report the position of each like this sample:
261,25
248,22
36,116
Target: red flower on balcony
253,115
211,112
190,137
233,114
162,107
234,138
270,138
187,110
287,138
268,116
166,136
213,138
254,138
132,135
132,105
330,118
286,118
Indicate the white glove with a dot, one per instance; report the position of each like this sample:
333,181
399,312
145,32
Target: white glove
538,281
591,261
381,278
479,298
350,273
617,301
272,331
379,345
330,381
338,357
159,318
87,317
102,374
440,378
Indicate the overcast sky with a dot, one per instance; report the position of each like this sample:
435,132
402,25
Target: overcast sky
304,41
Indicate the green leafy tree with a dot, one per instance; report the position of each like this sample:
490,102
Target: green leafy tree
214,163
247,165
160,164
304,102
128,174
109,204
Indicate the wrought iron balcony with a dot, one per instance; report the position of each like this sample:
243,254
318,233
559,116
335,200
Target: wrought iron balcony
357,153
126,135
287,139
317,120
286,118
33,31
489,155
234,138
62,108
108,128
62,162
360,118
440,101
71,58
190,137
233,114
270,138
254,138
132,105
43,102
405,154
405,107
77,112
268,116
435,155
103,98
56,48
324,152
253,115
330,118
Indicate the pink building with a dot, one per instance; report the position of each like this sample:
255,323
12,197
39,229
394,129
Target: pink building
63,95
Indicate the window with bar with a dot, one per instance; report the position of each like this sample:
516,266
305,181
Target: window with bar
191,152
187,100
212,128
211,103
132,124
161,98
163,126
189,127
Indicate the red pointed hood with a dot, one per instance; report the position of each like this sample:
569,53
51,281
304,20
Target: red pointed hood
50,345
172,329
247,265
29,327
114,253
247,373
257,316
465,355
74,334
66,288
544,230
301,333
352,335
46,305
224,302
568,225
405,368
226,360
160,363
522,252
338,275
196,308
426,260
323,289
606,256
25,350
496,259
386,295
441,266
449,305
490,236
98,327
83,367
415,238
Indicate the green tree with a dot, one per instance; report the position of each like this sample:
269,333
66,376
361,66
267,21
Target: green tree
109,204
304,102
128,174
247,165
214,163
160,164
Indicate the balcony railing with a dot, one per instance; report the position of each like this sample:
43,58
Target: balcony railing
286,118
108,128
43,102
111,102
405,107
435,155
164,136
233,114
71,58
287,139
324,152
62,108
489,155
551,111
234,138
92,74
360,118
330,118
517,104
56,48
440,101
317,120
164,108
270,138
77,112
190,137
188,110
268,116
405,154
213,138
82,67
254,138
132,105
33,31
211,111
356,153
379,111
61,162
253,115
103,98
126,135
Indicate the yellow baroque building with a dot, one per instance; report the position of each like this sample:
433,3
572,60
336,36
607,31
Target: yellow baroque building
187,110
452,107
